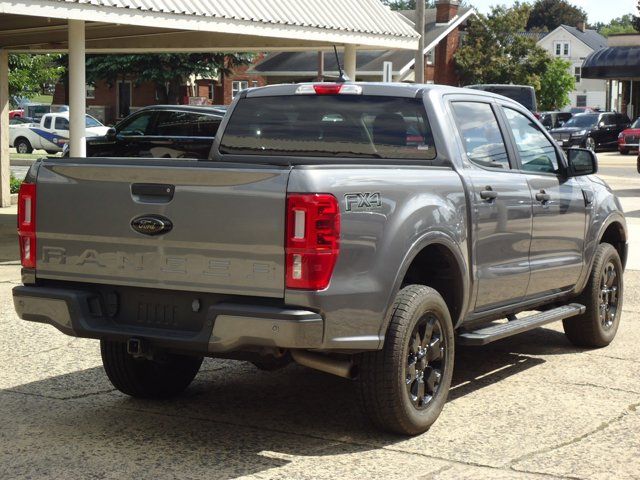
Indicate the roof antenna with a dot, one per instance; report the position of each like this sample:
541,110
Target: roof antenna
342,78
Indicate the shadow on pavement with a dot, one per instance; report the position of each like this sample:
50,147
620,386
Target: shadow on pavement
9,250
236,413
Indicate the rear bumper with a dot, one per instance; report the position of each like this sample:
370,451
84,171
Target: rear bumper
228,326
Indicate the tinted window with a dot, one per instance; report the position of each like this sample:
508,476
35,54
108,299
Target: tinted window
47,122
583,121
330,125
537,153
623,120
137,125
525,96
61,123
174,124
636,124
609,119
206,125
481,135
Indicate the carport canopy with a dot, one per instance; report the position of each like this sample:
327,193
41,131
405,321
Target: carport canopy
153,26
613,63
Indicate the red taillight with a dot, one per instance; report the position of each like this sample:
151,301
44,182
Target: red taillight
27,224
313,240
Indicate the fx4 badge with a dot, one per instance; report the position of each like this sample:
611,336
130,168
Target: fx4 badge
362,202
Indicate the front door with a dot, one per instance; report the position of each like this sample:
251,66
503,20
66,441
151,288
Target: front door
501,206
559,211
124,99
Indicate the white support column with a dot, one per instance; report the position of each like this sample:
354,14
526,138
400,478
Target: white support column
350,52
77,92
5,161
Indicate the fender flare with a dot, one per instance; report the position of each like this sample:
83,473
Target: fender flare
431,238
614,217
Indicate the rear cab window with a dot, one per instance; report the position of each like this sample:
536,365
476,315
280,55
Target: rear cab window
360,126
481,136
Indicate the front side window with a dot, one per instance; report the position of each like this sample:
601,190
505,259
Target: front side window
330,126
136,126
238,86
536,151
481,135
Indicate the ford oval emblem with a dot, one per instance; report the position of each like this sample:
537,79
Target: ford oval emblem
151,224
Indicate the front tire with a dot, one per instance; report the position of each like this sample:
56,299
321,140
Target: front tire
164,377
590,144
602,296
403,387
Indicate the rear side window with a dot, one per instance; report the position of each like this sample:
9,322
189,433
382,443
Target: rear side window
481,134
205,125
174,124
330,126
62,123
47,122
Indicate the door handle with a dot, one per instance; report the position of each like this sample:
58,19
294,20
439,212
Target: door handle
543,196
488,194
152,192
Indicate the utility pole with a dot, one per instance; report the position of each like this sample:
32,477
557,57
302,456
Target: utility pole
419,65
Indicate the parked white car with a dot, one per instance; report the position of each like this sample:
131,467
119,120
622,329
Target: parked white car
50,134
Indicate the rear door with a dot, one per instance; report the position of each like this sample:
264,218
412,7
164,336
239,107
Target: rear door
222,226
559,211
501,202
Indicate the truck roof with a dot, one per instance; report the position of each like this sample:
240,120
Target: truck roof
375,88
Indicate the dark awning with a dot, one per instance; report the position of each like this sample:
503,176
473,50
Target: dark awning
613,63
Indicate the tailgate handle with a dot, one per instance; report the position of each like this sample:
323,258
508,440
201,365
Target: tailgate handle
152,192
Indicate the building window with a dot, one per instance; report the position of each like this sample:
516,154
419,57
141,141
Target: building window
562,49
90,91
581,101
578,74
430,58
238,86
212,91
254,84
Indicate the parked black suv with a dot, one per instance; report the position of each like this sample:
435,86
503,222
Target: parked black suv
160,131
591,130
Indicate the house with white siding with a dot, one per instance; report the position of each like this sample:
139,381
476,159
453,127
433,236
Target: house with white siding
575,44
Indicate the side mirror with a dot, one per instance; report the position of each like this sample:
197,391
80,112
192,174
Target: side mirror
581,162
601,125
111,133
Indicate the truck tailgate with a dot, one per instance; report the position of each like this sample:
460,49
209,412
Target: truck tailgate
223,224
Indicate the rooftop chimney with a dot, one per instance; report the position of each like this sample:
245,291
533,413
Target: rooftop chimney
446,10
581,26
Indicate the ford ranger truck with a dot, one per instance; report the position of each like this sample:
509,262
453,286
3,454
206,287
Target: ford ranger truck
360,229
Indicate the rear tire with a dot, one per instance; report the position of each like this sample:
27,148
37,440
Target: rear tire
403,387
164,377
23,146
602,296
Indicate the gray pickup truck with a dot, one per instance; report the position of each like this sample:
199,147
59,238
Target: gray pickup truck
363,230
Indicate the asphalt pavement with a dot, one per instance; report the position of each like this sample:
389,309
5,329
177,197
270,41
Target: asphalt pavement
532,406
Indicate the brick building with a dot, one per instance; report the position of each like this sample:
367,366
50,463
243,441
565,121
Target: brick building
109,103
443,26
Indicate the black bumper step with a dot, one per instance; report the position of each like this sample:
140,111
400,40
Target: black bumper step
490,334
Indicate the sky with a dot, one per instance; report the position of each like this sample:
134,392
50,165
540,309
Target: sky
598,10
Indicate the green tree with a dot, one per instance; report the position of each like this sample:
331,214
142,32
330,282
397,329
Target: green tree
636,19
623,24
31,75
495,52
555,85
169,72
547,15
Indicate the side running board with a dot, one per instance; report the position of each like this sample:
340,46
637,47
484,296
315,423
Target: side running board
490,334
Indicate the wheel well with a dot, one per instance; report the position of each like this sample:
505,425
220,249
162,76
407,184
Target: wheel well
436,267
22,138
614,235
